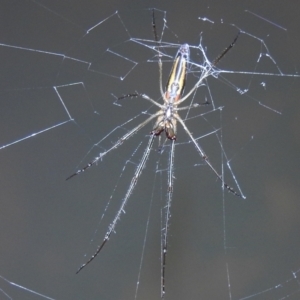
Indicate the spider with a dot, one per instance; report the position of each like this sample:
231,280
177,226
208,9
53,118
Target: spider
167,118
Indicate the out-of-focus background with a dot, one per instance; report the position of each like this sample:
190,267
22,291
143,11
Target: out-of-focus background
220,246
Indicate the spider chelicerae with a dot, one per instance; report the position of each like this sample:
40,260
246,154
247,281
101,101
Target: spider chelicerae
167,118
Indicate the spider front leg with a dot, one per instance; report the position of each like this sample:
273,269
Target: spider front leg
144,96
159,53
206,72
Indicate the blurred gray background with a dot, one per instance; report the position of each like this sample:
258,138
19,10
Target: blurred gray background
220,247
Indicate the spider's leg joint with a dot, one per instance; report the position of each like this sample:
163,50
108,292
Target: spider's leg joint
231,190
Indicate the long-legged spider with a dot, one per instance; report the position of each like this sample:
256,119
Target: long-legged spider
166,120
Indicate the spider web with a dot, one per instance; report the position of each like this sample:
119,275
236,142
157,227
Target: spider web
63,66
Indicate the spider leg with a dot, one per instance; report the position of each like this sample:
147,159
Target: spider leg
165,230
160,71
151,100
159,55
133,183
218,58
192,106
117,144
206,72
154,26
136,94
204,156
144,96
